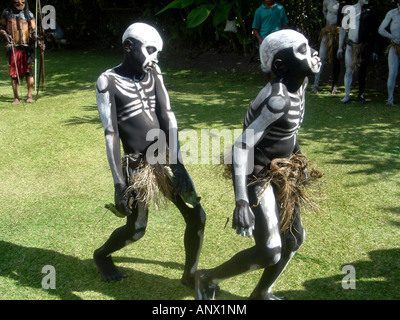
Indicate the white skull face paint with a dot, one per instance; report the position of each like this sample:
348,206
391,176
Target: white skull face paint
151,57
303,52
284,39
151,42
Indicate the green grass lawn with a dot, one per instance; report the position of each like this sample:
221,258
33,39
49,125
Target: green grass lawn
55,180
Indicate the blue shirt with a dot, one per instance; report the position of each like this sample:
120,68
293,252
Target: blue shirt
267,20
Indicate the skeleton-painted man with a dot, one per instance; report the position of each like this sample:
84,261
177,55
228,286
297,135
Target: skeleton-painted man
18,27
329,39
270,133
134,107
360,20
392,19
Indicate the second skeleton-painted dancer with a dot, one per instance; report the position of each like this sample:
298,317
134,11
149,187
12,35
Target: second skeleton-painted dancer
392,21
135,109
329,40
361,48
269,141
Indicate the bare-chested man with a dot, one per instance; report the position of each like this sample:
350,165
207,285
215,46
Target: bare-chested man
360,21
329,38
18,27
135,109
392,19
270,134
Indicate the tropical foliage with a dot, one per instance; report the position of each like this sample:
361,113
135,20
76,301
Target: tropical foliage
189,23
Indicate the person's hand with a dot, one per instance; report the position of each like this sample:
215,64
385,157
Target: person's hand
8,37
121,200
396,40
41,43
340,54
181,181
243,219
374,57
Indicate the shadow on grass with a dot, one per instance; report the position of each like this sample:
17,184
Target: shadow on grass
92,118
24,266
354,134
377,279
6,101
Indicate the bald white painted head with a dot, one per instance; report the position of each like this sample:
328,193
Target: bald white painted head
285,39
149,37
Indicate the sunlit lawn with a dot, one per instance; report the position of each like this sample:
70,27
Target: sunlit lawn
55,180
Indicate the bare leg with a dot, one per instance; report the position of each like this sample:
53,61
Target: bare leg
30,81
15,88
393,64
134,229
195,219
292,241
265,253
207,280
322,55
362,73
335,74
348,77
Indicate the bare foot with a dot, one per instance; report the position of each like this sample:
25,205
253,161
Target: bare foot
16,101
188,280
107,269
314,90
266,296
345,100
203,289
29,100
362,100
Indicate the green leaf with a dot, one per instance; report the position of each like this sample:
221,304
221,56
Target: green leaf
198,15
177,4
221,13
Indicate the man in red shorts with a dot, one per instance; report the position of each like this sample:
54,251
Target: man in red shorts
18,27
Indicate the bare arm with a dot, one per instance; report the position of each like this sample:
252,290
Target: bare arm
243,160
342,37
108,118
244,148
107,111
257,34
169,125
385,23
3,29
166,116
325,8
32,24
